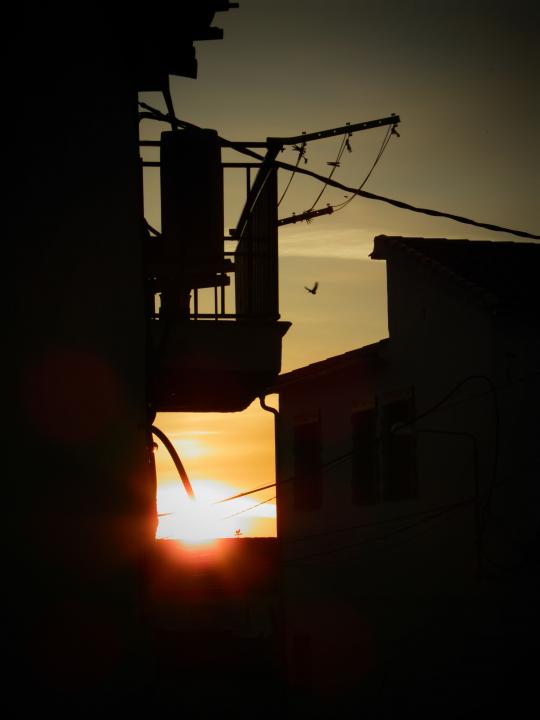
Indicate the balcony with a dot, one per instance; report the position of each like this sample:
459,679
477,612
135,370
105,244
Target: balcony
214,327
215,366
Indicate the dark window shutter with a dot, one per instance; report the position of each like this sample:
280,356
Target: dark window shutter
399,451
365,477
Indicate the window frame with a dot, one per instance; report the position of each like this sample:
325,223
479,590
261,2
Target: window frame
391,449
369,444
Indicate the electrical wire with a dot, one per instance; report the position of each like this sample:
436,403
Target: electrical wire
375,523
426,514
323,466
493,392
301,149
335,208
249,492
433,408
251,507
176,459
377,538
335,165
355,192
403,205
157,115
384,145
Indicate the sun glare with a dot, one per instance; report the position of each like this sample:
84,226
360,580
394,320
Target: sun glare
223,454
190,448
201,520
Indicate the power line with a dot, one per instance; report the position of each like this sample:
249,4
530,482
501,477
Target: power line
169,117
389,132
493,391
335,165
334,461
248,492
377,538
432,511
301,150
433,408
251,507
157,115
404,205
375,523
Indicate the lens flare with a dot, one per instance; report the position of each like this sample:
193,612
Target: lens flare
200,521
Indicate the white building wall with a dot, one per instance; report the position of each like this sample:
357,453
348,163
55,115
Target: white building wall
371,579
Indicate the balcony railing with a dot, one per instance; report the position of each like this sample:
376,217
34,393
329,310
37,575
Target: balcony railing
213,302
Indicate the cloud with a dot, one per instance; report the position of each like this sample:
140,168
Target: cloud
342,243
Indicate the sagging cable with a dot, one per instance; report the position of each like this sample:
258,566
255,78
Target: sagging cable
176,459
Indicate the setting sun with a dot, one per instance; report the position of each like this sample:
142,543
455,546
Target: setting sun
223,454
201,520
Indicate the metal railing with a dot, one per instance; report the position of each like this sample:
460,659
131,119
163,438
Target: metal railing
255,258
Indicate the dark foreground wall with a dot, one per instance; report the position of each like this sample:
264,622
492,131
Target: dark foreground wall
79,496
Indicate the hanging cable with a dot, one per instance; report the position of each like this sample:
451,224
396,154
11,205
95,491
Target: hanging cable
176,459
493,390
402,205
309,214
345,143
249,508
154,114
250,492
301,150
391,533
435,510
157,115
390,131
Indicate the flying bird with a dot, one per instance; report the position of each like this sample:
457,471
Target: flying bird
312,290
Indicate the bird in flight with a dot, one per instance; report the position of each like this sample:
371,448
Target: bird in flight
312,290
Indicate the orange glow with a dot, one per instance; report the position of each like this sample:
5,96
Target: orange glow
191,447
224,454
200,521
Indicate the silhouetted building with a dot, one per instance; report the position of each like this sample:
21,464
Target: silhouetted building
408,504
93,359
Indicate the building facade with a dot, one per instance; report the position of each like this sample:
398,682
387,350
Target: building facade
407,494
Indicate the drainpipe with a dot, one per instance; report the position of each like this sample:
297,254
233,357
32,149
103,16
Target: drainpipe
282,630
268,408
276,415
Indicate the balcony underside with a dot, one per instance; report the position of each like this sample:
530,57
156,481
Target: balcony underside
214,366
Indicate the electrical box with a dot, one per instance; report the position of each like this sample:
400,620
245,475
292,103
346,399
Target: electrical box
192,205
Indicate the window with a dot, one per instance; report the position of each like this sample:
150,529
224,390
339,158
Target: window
398,450
365,476
307,466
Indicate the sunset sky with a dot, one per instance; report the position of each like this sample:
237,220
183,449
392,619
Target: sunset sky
463,77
